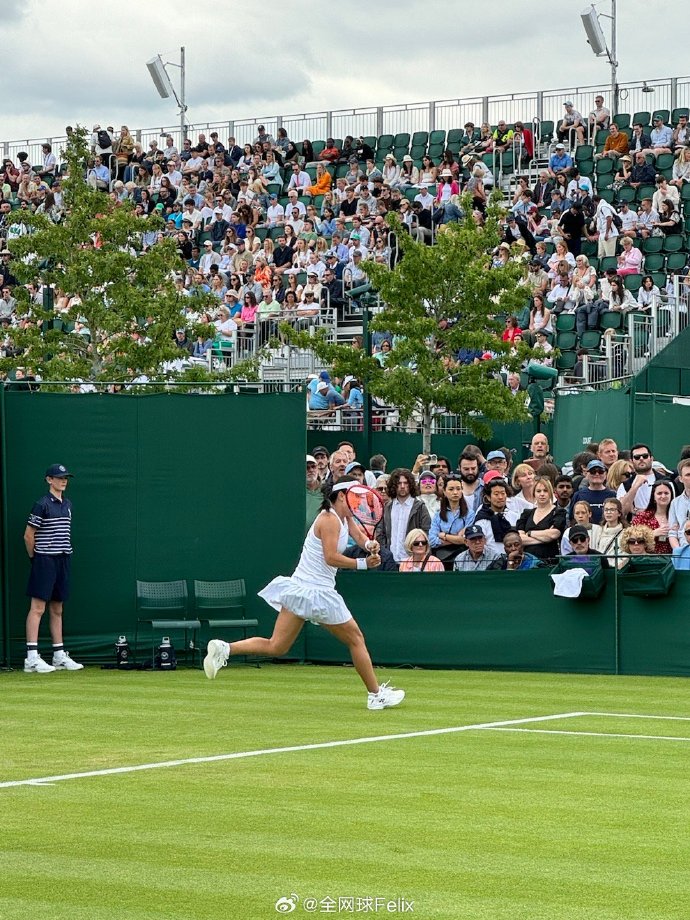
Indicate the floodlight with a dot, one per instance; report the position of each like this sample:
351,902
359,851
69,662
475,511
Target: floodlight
160,77
595,36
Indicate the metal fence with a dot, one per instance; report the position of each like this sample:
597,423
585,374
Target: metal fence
444,114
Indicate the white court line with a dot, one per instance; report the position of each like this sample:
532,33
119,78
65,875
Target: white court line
546,731
636,715
37,781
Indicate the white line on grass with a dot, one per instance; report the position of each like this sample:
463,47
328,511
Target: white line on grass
546,731
637,715
37,781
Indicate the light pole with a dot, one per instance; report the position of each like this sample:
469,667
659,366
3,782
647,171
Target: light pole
157,70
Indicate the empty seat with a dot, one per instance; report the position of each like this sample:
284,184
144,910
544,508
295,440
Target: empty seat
420,139
591,339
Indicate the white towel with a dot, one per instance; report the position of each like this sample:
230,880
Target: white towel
569,584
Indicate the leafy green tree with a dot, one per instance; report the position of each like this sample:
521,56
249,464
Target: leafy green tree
440,302
124,300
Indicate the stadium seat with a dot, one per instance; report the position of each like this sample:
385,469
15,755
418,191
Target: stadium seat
652,244
654,261
401,140
399,153
622,120
632,283
662,113
589,248
600,137
607,194
590,339
546,131
665,161
605,167
625,193
676,113
566,341
437,137
641,118
370,141
611,319
645,191
156,601
454,138
673,242
675,261
213,598
420,139
318,146
566,360
608,262
384,142
586,167
436,151
565,322
685,192
659,278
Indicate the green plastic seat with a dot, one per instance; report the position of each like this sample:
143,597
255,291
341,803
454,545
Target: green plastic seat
652,244
675,261
611,319
633,283
566,360
454,137
676,113
662,113
654,261
584,152
437,137
605,166
565,322
384,142
625,193
420,139
590,339
608,262
665,161
402,139
673,243
566,341
641,118
622,120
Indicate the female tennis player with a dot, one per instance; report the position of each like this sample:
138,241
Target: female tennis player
309,594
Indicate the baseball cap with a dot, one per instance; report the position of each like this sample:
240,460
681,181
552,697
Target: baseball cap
473,531
311,458
322,387
58,471
578,530
560,146
320,450
595,465
568,102
355,465
491,475
496,455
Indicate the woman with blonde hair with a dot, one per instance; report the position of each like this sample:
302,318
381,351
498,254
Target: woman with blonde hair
322,182
522,481
419,558
636,540
618,472
541,528
681,167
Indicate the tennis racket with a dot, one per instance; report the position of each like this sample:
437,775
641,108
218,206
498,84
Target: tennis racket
366,507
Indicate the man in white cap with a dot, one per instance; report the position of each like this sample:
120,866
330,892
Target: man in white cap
208,258
572,122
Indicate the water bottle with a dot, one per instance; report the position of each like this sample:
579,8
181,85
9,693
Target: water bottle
122,652
166,655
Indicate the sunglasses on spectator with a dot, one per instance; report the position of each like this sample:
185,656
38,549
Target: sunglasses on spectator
579,539
687,533
636,541
420,543
644,456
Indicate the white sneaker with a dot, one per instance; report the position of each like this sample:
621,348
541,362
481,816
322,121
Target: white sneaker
62,662
37,666
216,658
386,696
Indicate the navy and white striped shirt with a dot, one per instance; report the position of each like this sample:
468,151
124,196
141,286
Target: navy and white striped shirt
52,521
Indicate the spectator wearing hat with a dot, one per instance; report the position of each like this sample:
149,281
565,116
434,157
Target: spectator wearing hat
325,398
571,122
391,171
514,558
616,145
208,258
593,490
579,538
48,542
479,555
559,161
497,462
409,174
321,454
446,209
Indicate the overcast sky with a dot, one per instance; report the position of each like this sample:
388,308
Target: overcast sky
80,61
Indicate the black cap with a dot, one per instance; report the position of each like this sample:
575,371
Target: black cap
578,530
320,450
58,471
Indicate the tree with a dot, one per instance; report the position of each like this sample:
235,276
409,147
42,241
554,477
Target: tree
439,306
119,271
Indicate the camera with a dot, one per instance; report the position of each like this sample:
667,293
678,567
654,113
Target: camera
432,459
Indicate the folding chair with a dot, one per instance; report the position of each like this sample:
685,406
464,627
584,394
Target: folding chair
154,600
212,598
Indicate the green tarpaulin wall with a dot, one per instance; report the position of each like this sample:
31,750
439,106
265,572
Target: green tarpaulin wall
165,487
184,486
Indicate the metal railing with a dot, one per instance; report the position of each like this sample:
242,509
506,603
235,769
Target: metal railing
545,105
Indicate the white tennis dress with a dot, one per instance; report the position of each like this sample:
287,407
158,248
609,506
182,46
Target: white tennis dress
310,591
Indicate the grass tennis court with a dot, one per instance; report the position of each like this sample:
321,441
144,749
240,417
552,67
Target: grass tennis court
559,818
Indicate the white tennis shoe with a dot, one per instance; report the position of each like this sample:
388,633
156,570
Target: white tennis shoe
37,666
386,696
62,662
216,657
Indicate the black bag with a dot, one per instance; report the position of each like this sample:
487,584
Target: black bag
448,554
104,140
617,222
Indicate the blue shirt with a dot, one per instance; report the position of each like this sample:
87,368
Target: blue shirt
52,521
453,524
558,163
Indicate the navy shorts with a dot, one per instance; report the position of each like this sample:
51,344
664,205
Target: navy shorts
49,579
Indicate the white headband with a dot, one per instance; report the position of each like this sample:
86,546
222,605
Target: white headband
343,485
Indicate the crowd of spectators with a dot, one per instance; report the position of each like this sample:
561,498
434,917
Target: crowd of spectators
487,512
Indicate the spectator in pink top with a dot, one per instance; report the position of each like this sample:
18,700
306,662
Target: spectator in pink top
630,259
420,558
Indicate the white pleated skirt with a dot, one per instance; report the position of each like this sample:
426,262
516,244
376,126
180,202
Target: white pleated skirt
310,602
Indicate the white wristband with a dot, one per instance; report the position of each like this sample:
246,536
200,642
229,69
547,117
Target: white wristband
361,565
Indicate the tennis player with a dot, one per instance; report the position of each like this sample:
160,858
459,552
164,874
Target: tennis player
309,594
